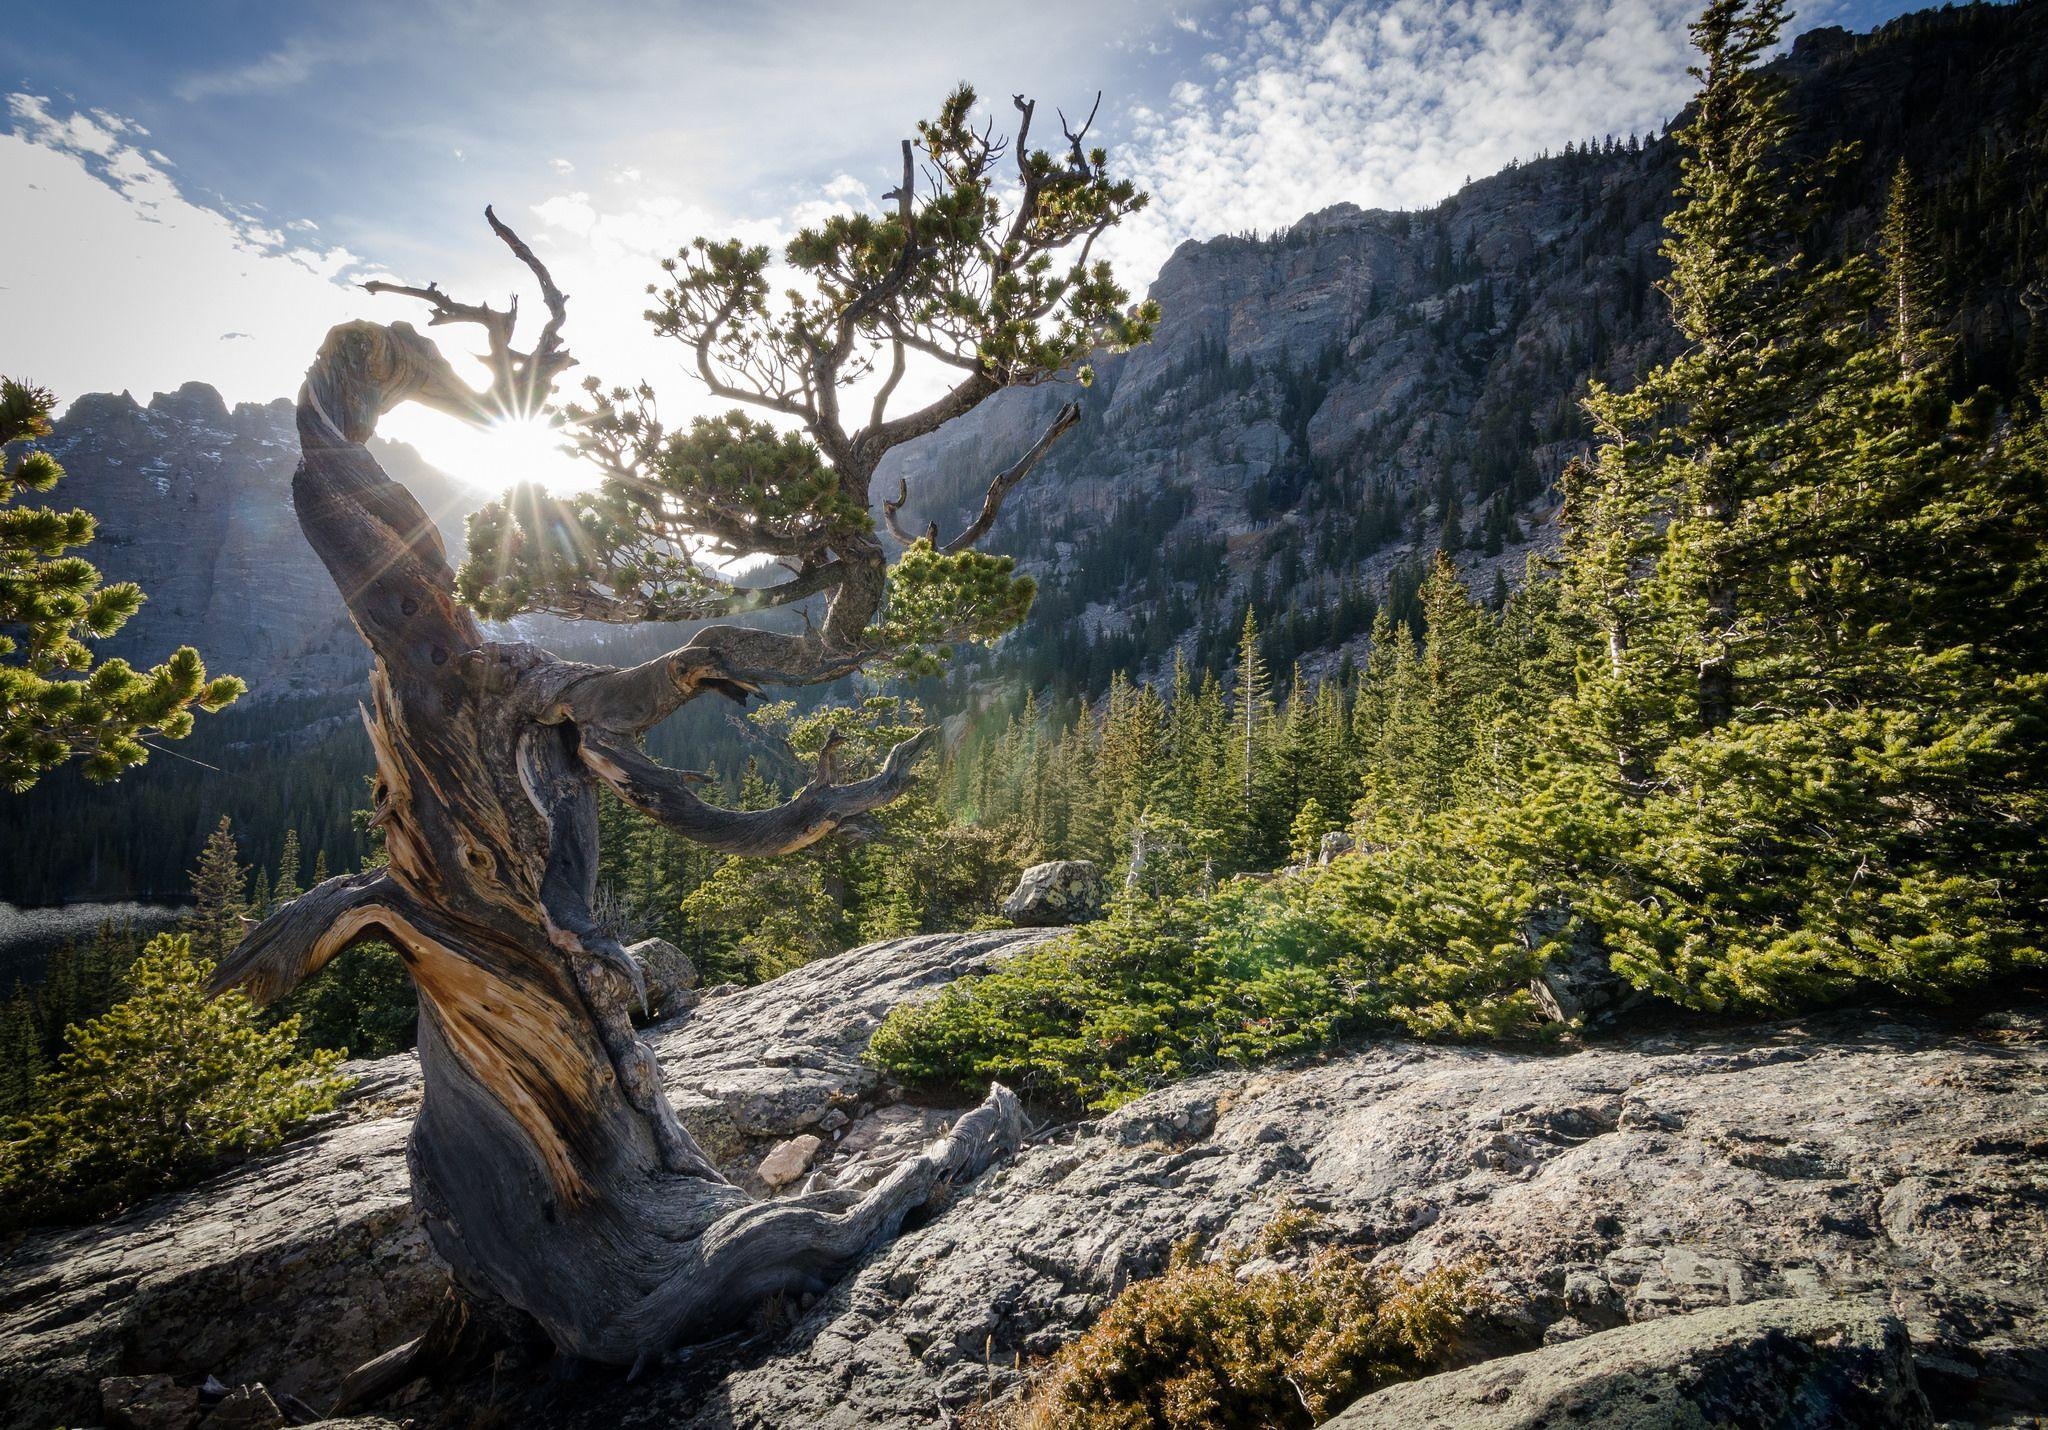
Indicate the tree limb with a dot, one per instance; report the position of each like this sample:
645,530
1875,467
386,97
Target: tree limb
1005,481
520,381
991,503
296,942
818,808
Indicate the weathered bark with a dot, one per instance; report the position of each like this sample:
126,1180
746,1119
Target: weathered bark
552,1173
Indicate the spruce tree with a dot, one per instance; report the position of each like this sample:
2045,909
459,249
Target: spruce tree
287,886
220,902
153,1091
56,702
1797,760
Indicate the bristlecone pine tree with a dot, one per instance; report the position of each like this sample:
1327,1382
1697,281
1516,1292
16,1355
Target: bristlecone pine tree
55,703
550,1170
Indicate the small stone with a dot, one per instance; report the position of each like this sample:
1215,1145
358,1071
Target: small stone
246,1407
787,1161
148,1402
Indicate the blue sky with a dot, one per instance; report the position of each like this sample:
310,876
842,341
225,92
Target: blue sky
205,180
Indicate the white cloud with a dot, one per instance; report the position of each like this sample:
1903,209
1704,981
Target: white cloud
1391,103
282,69
145,283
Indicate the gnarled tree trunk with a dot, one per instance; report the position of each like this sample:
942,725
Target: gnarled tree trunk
552,1173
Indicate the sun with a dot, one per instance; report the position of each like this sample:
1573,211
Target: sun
520,451
492,458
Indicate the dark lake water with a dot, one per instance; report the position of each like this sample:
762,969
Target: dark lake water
29,936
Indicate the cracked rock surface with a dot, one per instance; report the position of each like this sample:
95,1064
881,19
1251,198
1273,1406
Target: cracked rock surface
296,1267
1899,1160
1647,1177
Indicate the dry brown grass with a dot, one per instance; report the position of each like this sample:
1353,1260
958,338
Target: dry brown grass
1234,1341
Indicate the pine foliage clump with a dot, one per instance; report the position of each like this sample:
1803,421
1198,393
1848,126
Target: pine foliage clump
155,1091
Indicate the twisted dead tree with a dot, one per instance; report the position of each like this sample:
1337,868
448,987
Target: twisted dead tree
551,1171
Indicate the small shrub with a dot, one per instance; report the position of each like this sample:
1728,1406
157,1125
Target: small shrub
1221,1344
1420,937
154,1091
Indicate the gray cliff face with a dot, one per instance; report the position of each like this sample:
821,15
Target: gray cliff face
1804,1169
1324,404
194,505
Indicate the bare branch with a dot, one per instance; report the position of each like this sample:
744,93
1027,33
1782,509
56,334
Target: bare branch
1079,160
889,510
992,503
818,809
520,381
880,408
296,942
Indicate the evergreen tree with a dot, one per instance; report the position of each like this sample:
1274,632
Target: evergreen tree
21,1052
1812,582
220,903
287,886
154,1090
56,703
1305,834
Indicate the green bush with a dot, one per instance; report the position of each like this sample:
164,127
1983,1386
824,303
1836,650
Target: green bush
156,1090
1418,936
1220,1344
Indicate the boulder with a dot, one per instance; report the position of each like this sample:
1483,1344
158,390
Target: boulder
246,1407
148,1402
1794,1362
1578,983
1055,894
1334,843
671,977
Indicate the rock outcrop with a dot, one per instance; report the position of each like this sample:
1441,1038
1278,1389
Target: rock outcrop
296,1267
1811,1362
1653,1175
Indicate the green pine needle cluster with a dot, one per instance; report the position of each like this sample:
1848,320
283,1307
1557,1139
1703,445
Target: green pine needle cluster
156,1091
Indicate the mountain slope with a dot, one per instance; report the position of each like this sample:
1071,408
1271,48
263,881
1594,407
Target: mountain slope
194,505
1325,406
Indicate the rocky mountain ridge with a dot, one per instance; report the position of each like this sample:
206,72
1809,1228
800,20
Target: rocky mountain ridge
193,502
1325,406
1322,407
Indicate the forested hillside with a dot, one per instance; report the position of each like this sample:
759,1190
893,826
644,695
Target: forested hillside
1321,411
1327,406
